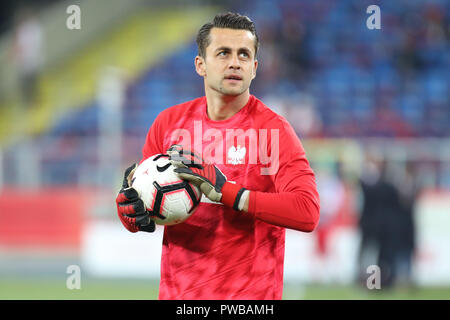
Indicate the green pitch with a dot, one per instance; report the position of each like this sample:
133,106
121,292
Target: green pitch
335,292
91,289
107,289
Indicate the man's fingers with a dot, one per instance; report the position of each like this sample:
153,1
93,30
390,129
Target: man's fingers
130,176
178,158
131,194
177,163
130,169
175,148
127,195
129,203
142,220
191,156
183,170
150,227
189,177
132,209
184,158
187,174
210,192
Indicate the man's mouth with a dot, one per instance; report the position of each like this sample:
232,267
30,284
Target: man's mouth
233,77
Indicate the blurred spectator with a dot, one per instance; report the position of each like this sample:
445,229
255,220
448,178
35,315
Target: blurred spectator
27,52
408,187
380,222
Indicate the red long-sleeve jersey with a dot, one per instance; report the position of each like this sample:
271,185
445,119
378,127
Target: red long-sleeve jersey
220,253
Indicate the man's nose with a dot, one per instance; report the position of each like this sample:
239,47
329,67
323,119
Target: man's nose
235,63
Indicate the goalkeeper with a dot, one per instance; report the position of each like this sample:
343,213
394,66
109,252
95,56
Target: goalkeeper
233,246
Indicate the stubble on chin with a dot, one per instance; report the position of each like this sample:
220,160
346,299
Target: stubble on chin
234,91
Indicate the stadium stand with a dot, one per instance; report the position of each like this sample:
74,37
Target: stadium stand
364,83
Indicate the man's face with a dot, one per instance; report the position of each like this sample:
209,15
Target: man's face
230,65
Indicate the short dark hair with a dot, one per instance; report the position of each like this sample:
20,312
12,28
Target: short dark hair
228,20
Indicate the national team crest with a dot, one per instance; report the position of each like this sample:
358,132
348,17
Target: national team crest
236,155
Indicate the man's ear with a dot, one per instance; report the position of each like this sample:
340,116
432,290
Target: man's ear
200,66
254,69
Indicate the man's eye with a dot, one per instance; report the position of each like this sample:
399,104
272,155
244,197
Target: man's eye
222,53
244,54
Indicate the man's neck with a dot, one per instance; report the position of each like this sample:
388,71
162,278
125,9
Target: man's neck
221,107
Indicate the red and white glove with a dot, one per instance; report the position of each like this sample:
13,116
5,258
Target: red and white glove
211,181
131,208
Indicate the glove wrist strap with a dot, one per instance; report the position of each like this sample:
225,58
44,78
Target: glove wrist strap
231,194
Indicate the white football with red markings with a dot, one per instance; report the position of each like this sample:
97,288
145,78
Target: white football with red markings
169,199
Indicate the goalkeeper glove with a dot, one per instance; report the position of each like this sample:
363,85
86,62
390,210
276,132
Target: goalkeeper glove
211,181
130,207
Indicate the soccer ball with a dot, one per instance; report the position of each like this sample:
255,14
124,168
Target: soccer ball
169,199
